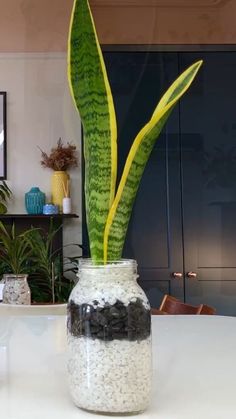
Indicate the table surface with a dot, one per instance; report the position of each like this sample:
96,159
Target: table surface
193,362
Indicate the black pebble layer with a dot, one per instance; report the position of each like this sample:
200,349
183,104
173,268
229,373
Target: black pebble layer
132,322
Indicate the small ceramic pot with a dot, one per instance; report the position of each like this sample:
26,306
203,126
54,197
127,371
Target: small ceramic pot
50,209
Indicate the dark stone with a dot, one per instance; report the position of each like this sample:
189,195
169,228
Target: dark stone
132,322
114,312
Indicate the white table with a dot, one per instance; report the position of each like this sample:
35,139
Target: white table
194,368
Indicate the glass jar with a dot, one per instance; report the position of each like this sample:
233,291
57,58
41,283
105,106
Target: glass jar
109,339
16,289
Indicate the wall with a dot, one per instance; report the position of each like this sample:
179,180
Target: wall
39,111
42,26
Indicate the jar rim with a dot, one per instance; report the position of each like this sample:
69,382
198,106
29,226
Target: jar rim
88,263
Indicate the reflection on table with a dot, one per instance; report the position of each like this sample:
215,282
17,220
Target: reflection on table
193,363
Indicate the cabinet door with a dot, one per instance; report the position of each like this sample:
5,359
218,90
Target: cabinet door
138,80
208,136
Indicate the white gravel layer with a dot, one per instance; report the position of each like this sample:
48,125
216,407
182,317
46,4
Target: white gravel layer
110,376
107,285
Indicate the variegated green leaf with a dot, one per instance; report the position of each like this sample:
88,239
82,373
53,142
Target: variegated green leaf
143,144
91,92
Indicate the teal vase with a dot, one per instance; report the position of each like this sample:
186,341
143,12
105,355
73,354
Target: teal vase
34,201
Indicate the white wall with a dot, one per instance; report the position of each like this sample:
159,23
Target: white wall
39,111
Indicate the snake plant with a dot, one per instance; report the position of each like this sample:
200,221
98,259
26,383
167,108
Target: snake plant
108,209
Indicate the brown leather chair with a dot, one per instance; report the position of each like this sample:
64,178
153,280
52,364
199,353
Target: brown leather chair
207,310
157,311
170,305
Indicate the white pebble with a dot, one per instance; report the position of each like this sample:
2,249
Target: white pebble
107,286
110,376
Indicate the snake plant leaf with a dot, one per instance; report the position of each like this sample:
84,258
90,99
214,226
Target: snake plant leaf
92,96
119,215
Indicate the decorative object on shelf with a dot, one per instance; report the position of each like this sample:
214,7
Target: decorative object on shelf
66,202
34,201
59,178
5,195
60,159
108,212
50,209
109,325
16,289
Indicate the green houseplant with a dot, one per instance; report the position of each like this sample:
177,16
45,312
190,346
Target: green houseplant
15,252
31,254
48,280
109,314
108,208
15,255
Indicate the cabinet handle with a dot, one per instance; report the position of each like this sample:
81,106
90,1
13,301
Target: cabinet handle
177,275
192,275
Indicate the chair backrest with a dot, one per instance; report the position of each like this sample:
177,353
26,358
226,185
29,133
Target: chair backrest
156,311
171,305
207,310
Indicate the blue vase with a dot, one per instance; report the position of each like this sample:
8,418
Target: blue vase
34,201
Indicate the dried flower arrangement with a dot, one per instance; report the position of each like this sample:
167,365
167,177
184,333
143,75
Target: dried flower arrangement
61,157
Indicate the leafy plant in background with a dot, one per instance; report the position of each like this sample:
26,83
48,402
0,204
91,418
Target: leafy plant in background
15,252
48,282
5,195
108,209
31,252
44,264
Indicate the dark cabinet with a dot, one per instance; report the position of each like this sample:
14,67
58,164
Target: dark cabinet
208,131
137,81
184,218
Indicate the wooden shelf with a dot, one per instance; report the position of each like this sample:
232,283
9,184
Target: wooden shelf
38,216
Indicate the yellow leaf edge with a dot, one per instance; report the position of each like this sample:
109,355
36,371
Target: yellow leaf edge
112,115
159,112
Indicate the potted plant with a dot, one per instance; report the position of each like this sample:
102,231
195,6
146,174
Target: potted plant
15,254
109,345
60,159
31,255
